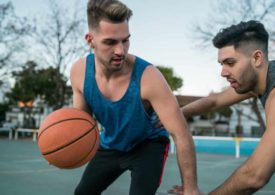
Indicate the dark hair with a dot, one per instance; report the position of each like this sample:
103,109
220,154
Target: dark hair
243,33
110,10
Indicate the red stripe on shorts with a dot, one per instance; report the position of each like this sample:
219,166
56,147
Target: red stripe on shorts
164,161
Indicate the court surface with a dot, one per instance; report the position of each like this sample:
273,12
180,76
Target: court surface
24,171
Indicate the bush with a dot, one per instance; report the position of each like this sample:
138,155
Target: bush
4,107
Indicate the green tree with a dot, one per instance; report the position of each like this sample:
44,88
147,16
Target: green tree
60,41
51,83
173,81
32,83
4,107
25,87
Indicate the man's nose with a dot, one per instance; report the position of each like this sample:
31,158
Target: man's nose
119,49
225,72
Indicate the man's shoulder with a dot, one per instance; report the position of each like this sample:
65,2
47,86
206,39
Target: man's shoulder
78,66
152,76
138,60
80,62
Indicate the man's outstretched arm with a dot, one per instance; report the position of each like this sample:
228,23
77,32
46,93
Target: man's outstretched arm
260,166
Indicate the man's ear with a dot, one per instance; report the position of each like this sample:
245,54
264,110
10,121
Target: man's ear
258,58
89,39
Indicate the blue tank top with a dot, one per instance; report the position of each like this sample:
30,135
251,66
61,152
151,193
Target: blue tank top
125,122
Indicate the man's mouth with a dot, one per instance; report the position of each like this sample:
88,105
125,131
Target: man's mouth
117,60
233,83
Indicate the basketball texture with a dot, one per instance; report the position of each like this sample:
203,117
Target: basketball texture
68,138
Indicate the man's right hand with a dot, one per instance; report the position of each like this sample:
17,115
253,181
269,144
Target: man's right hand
178,189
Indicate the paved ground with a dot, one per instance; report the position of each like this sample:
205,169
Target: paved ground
24,172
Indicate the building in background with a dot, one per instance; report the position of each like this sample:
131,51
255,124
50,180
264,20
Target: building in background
213,124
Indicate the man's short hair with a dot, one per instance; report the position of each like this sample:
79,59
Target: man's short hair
244,33
109,10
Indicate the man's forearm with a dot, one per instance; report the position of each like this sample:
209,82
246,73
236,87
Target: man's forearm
198,107
187,162
239,183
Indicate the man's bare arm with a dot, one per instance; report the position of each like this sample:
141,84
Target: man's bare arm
155,89
77,76
213,102
260,166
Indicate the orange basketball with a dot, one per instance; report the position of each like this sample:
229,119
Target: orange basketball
68,138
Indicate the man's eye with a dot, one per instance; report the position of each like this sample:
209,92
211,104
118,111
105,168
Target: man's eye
110,42
230,63
125,41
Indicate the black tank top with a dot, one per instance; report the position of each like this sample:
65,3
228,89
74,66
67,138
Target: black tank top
270,82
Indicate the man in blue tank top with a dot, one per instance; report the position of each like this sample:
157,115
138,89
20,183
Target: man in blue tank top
127,94
243,54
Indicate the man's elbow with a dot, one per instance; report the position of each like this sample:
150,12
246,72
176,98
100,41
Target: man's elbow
210,102
256,179
259,181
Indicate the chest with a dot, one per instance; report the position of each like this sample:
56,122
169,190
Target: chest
113,89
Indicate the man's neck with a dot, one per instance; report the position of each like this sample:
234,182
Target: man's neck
126,68
262,79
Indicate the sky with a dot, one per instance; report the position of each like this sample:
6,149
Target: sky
161,33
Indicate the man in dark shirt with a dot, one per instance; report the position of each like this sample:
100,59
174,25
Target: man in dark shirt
243,54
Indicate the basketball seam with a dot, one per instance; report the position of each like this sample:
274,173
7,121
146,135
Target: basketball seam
80,161
42,131
67,144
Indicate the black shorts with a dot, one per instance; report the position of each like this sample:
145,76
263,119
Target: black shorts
145,161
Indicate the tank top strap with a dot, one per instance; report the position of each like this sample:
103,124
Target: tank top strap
89,77
139,67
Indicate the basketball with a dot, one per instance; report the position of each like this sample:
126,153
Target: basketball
68,138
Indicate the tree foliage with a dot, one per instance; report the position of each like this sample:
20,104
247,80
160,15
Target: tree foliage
32,83
60,40
173,81
25,87
4,107
51,83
